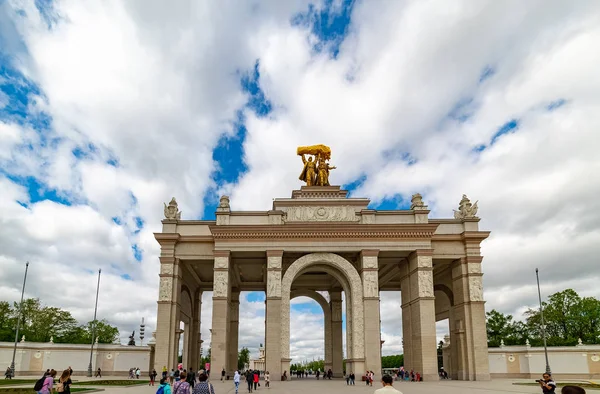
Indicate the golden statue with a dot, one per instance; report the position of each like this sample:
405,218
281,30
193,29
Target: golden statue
315,171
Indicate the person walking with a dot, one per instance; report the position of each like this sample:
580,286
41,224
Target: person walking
191,378
152,377
386,381
223,375
255,379
8,373
165,387
172,376
249,380
137,373
181,386
99,373
236,381
352,379
267,380
164,372
48,383
203,386
64,382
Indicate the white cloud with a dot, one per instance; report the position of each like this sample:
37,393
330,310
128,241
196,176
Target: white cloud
156,87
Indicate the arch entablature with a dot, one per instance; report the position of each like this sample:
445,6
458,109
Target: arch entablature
345,272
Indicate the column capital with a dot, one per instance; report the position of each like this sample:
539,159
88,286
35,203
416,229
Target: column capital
274,253
369,252
335,296
420,252
222,253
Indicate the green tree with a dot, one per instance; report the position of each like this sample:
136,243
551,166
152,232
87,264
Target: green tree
395,361
567,317
205,359
40,323
501,327
7,322
243,358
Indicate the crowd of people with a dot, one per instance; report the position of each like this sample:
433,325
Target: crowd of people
184,381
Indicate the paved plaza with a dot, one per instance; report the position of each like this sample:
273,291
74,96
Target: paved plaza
312,386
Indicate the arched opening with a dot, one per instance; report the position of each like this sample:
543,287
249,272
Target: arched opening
444,303
185,321
347,277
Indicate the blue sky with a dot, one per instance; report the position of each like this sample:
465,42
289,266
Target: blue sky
107,110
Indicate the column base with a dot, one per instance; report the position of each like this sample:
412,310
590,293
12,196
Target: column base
430,377
358,367
285,367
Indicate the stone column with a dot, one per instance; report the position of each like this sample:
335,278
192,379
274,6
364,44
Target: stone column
337,347
220,315
467,323
195,340
168,314
328,340
185,352
423,353
234,324
370,279
406,322
273,360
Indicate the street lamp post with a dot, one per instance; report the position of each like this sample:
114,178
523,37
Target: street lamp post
12,363
94,325
548,371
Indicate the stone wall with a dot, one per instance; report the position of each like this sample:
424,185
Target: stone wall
32,358
566,362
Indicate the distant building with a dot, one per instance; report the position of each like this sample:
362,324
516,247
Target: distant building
259,363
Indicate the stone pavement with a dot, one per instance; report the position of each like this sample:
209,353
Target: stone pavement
312,386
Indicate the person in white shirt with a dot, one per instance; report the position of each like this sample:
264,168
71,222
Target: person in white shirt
386,381
236,380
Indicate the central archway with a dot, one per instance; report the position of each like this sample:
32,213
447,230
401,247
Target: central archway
352,284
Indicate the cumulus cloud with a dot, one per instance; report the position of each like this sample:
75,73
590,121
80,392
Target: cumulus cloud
115,107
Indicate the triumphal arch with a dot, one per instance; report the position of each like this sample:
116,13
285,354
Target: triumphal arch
323,244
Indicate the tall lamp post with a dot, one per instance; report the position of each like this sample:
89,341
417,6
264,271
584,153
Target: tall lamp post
94,326
548,371
12,363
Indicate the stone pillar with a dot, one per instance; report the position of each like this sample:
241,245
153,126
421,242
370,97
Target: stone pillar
423,353
349,355
185,350
328,339
273,360
234,324
370,279
337,349
195,339
468,327
406,322
168,313
220,315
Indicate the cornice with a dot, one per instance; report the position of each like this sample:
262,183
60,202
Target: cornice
166,238
324,231
475,236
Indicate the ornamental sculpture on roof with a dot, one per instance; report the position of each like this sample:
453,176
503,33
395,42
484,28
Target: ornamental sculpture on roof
172,211
316,169
466,209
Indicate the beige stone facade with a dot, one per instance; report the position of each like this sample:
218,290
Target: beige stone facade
320,240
